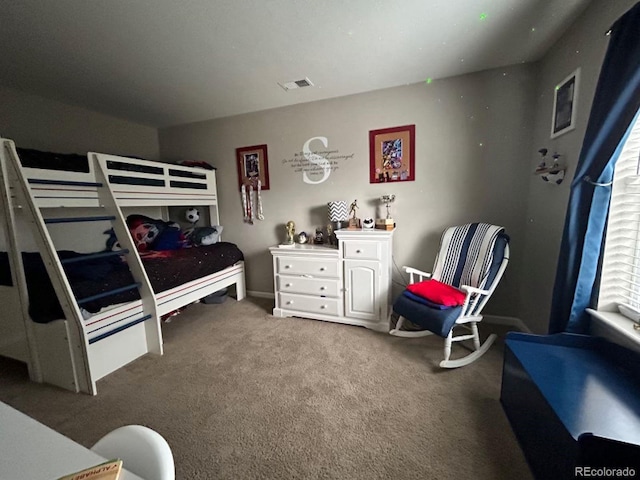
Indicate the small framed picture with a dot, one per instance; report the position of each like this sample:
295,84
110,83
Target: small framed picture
253,165
392,154
565,98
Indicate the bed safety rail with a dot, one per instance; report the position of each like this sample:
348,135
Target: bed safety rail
133,182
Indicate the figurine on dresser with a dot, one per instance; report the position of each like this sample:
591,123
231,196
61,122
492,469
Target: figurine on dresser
331,238
291,231
354,221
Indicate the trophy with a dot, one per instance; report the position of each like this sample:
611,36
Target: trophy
354,221
291,231
386,223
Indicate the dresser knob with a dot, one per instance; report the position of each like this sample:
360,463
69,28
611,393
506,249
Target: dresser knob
322,269
358,251
323,307
288,285
290,302
287,266
323,288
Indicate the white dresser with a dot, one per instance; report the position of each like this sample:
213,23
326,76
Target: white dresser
350,283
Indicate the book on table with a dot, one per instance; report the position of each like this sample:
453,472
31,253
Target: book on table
104,471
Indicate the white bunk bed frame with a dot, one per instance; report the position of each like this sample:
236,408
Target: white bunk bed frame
73,353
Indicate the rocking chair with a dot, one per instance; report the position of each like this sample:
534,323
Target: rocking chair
469,265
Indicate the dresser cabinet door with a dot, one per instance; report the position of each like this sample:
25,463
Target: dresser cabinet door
362,286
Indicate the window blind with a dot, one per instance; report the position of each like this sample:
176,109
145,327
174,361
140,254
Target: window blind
620,279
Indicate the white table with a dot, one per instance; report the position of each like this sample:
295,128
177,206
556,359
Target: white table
31,450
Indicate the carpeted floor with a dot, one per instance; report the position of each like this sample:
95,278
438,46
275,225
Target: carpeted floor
240,394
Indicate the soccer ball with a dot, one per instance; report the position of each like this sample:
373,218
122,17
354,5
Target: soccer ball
192,215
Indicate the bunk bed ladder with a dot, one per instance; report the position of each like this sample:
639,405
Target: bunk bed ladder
26,336
76,372
71,372
107,199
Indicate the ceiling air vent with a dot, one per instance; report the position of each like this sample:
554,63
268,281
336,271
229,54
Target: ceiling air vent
305,82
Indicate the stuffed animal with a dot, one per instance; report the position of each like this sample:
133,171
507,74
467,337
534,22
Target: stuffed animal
204,235
171,238
150,234
112,242
144,234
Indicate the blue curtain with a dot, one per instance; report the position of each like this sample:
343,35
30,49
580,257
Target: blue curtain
615,105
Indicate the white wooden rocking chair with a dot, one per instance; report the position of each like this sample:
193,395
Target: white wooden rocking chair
472,258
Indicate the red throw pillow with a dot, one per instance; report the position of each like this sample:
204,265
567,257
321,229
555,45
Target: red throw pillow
438,292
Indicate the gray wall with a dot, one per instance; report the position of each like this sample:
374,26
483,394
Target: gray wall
35,122
583,45
43,124
472,151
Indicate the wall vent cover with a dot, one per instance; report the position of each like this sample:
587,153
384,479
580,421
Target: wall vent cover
305,82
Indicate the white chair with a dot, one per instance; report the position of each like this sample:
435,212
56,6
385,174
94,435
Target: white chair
472,258
142,450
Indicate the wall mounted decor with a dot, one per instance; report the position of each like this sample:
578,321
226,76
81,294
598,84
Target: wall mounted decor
392,154
552,172
565,98
253,165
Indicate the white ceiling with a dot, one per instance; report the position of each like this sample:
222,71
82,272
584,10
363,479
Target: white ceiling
167,62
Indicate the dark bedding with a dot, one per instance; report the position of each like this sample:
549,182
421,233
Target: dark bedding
165,269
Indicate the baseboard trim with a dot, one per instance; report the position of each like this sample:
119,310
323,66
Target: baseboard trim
494,319
509,321
253,293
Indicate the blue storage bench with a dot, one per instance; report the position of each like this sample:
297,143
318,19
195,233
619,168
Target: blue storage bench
572,401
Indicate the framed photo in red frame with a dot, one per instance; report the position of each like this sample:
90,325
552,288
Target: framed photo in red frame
253,165
392,154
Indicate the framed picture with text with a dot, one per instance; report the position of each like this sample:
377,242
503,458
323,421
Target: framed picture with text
392,154
253,165
565,97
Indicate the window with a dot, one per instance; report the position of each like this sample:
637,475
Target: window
620,279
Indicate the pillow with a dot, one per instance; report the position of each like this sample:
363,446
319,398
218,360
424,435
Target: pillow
424,301
438,292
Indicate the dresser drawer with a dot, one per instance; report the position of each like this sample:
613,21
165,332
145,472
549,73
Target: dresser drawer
361,250
302,303
305,266
326,287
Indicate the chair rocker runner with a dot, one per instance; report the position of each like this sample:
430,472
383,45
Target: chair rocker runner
472,258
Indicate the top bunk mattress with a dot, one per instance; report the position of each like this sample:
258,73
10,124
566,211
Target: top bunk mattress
165,269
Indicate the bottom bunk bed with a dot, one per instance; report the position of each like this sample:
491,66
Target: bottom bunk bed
76,317
116,328
185,269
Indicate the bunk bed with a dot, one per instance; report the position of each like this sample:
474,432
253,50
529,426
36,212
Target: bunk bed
82,335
